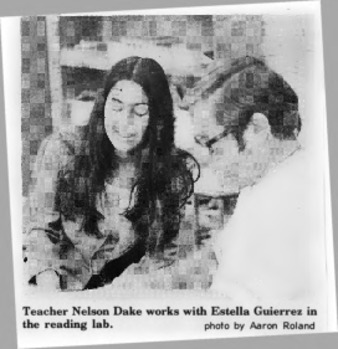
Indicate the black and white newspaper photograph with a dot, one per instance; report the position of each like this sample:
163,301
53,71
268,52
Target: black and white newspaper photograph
169,174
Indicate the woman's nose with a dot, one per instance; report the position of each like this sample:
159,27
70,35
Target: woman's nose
128,115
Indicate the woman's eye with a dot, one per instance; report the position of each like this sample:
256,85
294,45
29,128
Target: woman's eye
116,105
141,109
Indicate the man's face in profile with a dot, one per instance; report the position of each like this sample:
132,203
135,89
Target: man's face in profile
245,119
225,167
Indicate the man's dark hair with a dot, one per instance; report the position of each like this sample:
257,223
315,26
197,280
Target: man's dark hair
250,86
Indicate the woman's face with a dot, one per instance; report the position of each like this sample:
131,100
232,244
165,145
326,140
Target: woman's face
126,115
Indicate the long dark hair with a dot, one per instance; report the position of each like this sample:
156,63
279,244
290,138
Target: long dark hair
164,178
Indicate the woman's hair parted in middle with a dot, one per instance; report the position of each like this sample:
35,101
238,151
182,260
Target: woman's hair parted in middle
164,178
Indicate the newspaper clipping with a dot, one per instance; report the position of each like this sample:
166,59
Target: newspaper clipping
169,174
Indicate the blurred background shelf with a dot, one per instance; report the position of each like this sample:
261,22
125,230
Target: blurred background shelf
103,55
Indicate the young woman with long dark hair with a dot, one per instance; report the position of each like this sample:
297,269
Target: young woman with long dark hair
119,195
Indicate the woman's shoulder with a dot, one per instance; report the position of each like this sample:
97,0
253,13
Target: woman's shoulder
62,141
58,150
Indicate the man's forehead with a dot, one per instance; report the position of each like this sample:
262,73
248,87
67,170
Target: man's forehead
218,109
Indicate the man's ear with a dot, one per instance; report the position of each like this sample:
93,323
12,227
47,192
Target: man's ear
260,123
257,129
